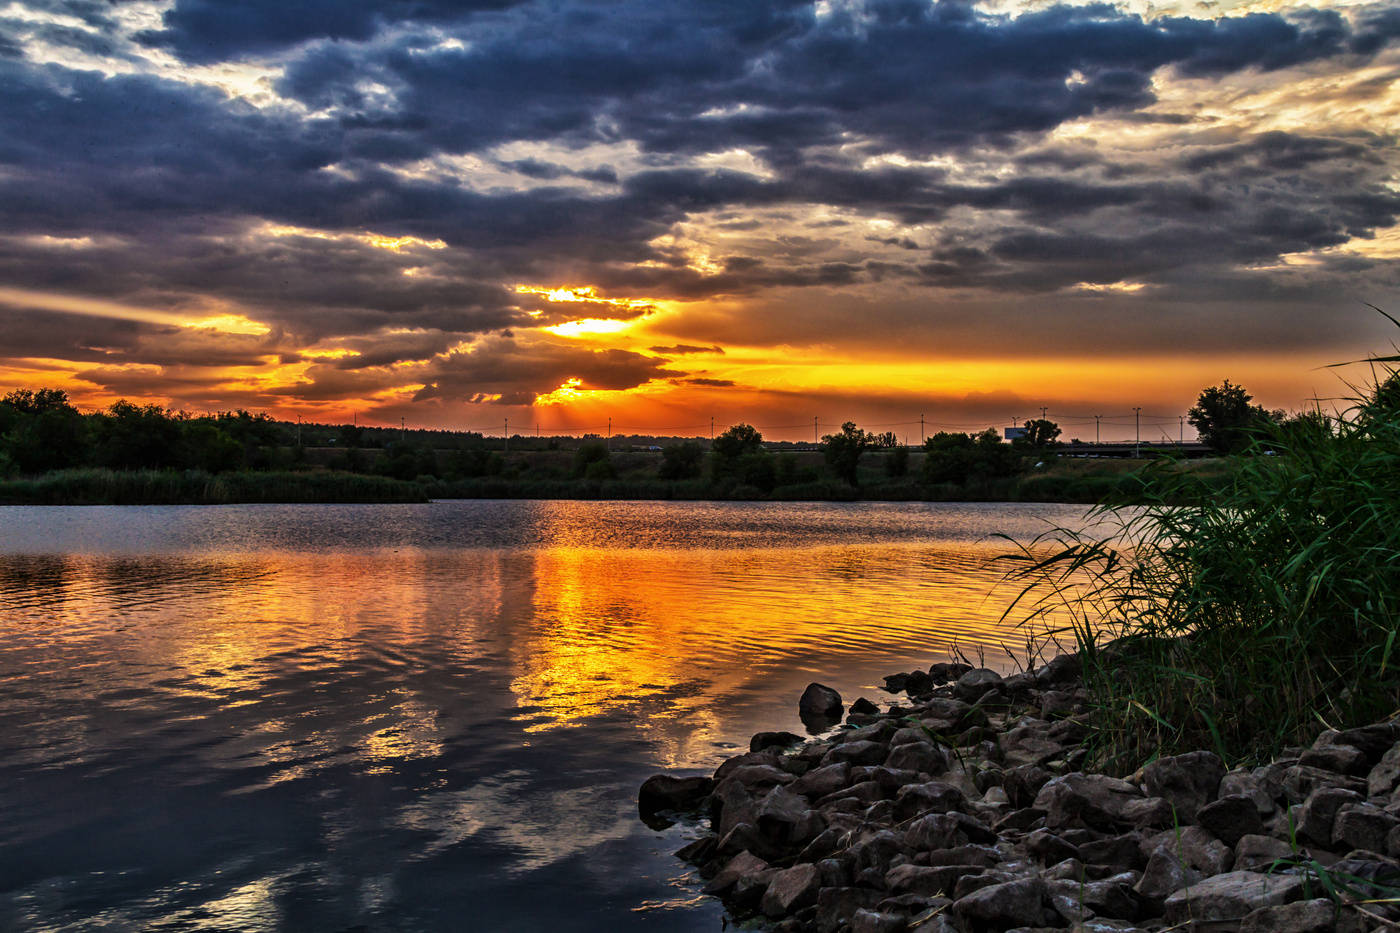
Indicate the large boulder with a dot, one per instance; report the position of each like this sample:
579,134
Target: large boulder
820,707
1019,903
1187,782
1231,818
1095,801
790,890
1231,897
662,792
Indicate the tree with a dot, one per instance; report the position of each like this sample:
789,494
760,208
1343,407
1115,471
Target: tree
842,451
1039,433
1224,419
682,461
958,458
738,455
42,431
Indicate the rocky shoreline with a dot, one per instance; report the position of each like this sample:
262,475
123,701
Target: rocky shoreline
961,809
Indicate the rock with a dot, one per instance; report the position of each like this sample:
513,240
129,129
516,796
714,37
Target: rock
822,781
1231,818
1319,812
762,740
1259,853
1101,898
1315,916
945,672
894,683
932,797
1048,849
835,906
928,880
1194,846
664,792
1300,781
819,708
1023,782
1344,759
945,830
1231,896
741,865
1362,826
1187,782
1124,850
1374,740
790,890
1030,745
871,921
857,753
1381,780
864,707
756,777
1057,704
1002,906
1096,801
920,757
1164,874
700,851
974,683
1242,783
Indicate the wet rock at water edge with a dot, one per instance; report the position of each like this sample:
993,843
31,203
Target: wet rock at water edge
662,793
765,740
820,707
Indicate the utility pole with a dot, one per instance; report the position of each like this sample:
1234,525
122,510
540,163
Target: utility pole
814,429
1137,420
298,429
505,447
712,429
1042,412
922,437
1096,428
402,428
609,432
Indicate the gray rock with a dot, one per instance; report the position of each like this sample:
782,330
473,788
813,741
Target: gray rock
872,921
1231,896
760,776
1315,916
1048,849
825,780
1381,780
1195,846
1057,704
1258,853
1063,669
974,683
1098,802
1300,781
922,757
1319,812
820,702
857,753
1125,850
763,740
1187,782
1242,783
1005,905
664,792
730,804
927,880
945,830
1095,899
931,797
741,865
1344,759
948,671
864,707
835,906
1165,873
790,890
1363,826
1231,818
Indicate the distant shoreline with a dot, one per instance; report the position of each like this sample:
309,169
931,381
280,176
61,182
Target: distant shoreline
1075,482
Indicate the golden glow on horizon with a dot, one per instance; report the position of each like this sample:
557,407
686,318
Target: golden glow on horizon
393,244
589,327
229,324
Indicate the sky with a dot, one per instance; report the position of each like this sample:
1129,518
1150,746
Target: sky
649,214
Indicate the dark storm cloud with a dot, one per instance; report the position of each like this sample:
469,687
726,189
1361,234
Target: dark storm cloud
173,180
519,371
682,349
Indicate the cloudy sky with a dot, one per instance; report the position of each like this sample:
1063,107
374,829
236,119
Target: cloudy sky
663,211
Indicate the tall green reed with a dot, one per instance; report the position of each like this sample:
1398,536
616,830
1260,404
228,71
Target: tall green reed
1241,616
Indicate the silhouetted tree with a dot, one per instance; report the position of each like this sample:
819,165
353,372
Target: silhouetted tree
842,451
738,456
682,461
1040,433
1224,419
41,431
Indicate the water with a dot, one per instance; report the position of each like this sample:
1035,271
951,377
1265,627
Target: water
431,717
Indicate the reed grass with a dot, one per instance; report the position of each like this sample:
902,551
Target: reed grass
1240,612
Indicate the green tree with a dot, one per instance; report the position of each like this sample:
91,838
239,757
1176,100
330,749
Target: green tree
593,460
137,437
682,461
738,456
1040,433
1225,420
842,451
41,431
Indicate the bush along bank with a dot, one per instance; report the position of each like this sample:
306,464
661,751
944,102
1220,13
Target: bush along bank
961,809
